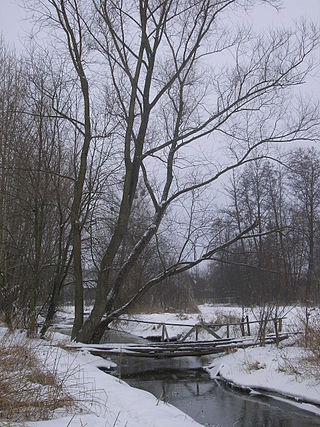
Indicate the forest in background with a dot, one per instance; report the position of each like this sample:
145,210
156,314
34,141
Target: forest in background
106,175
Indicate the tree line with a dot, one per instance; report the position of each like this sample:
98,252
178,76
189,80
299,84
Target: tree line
282,265
110,126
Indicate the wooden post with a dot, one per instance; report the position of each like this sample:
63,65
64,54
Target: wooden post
280,324
242,327
276,330
197,332
228,331
120,365
164,335
248,326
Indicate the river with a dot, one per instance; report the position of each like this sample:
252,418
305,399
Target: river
184,383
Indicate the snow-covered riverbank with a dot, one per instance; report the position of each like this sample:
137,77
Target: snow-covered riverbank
279,372
101,400
110,402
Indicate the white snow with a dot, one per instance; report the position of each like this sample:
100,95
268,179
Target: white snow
207,313
103,400
106,401
270,370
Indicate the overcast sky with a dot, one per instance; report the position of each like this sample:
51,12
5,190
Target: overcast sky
14,27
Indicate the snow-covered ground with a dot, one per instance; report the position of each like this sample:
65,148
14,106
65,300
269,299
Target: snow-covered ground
278,372
105,401
207,313
101,399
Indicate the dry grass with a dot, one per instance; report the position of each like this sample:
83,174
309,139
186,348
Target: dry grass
305,366
290,366
221,318
312,358
250,365
313,338
28,389
308,364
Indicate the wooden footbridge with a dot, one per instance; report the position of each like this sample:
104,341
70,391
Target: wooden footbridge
181,347
178,349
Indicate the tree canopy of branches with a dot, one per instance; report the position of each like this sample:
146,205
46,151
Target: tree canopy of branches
146,91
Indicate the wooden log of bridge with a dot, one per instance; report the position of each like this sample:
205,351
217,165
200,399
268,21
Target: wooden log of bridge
177,349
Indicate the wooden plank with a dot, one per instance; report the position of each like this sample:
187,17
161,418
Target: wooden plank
188,334
206,328
172,344
163,353
177,348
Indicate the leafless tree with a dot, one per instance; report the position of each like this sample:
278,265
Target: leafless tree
304,180
167,103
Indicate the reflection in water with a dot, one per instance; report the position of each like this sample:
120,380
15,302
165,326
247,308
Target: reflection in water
212,404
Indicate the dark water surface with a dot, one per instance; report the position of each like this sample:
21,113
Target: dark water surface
213,404
185,385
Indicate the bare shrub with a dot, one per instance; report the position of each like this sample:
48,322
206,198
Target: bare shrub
314,340
264,315
222,317
312,343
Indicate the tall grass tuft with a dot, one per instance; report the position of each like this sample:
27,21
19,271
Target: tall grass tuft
29,389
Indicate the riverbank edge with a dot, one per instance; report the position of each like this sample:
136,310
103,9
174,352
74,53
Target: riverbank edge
101,400
301,402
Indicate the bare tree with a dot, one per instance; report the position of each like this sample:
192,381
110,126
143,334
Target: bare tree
12,87
158,63
304,180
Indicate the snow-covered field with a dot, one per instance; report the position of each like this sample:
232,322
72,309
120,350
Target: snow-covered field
207,313
103,400
218,314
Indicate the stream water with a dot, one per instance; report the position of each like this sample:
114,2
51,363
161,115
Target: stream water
213,404
183,383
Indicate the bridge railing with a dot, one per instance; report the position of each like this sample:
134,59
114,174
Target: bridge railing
244,325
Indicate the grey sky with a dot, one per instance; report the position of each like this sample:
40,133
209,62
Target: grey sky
14,27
